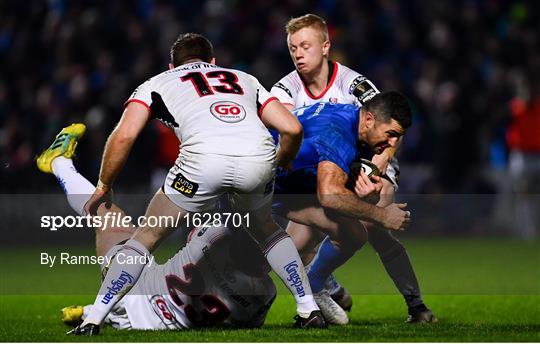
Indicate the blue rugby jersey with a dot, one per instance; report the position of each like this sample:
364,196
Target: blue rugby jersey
330,134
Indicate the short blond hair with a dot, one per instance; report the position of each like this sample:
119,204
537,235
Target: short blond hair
308,20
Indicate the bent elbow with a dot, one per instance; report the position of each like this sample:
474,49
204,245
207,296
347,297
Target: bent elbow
297,130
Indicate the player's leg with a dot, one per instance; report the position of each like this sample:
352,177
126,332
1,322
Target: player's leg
57,160
307,240
283,258
124,273
397,263
78,191
253,194
344,238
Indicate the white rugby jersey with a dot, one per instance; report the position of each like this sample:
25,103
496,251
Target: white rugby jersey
202,285
211,109
345,87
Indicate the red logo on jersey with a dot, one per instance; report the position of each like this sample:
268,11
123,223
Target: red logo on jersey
161,308
229,112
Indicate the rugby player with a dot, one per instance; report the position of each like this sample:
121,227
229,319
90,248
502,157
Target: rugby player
333,136
221,117
318,79
220,277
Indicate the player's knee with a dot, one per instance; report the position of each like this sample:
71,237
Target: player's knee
149,238
354,235
348,243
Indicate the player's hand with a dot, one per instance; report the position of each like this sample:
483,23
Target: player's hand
396,217
368,188
99,197
381,161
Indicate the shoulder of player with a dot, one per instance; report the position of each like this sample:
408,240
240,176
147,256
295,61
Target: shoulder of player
333,109
342,118
291,80
346,75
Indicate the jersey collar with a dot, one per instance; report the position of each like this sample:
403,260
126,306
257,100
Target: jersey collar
332,73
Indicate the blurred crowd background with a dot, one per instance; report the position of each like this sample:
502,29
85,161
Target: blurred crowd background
470,68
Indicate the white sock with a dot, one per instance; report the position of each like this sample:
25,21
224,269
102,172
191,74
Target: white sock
286,263
120,278
77,188
86,310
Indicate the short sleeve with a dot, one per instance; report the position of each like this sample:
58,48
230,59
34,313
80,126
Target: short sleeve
142,94
263,96
284,91
334,146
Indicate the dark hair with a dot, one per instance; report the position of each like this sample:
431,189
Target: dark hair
191,46
390,105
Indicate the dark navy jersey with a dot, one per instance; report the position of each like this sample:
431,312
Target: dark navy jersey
330,134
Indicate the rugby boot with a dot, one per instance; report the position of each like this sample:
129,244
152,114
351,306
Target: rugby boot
331,311
63,145
72,315
421,315
315,320
86,330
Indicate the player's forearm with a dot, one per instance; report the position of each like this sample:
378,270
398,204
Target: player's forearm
386,195
347,203
115,155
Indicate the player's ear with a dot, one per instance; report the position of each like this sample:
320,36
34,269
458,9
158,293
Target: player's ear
326,47
369,120
213,60
171,66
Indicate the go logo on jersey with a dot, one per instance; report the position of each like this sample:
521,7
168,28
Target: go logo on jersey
229,112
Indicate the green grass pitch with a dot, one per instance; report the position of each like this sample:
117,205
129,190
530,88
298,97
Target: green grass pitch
481,290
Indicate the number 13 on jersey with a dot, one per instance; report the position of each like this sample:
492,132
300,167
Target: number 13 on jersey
228,80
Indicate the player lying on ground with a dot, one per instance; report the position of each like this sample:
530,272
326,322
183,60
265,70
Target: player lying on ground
333,135
221,117
318,79
219,278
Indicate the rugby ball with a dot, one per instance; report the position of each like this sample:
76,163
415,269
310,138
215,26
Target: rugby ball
365,165
369,168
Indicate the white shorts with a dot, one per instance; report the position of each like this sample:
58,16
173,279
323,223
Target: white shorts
196,181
